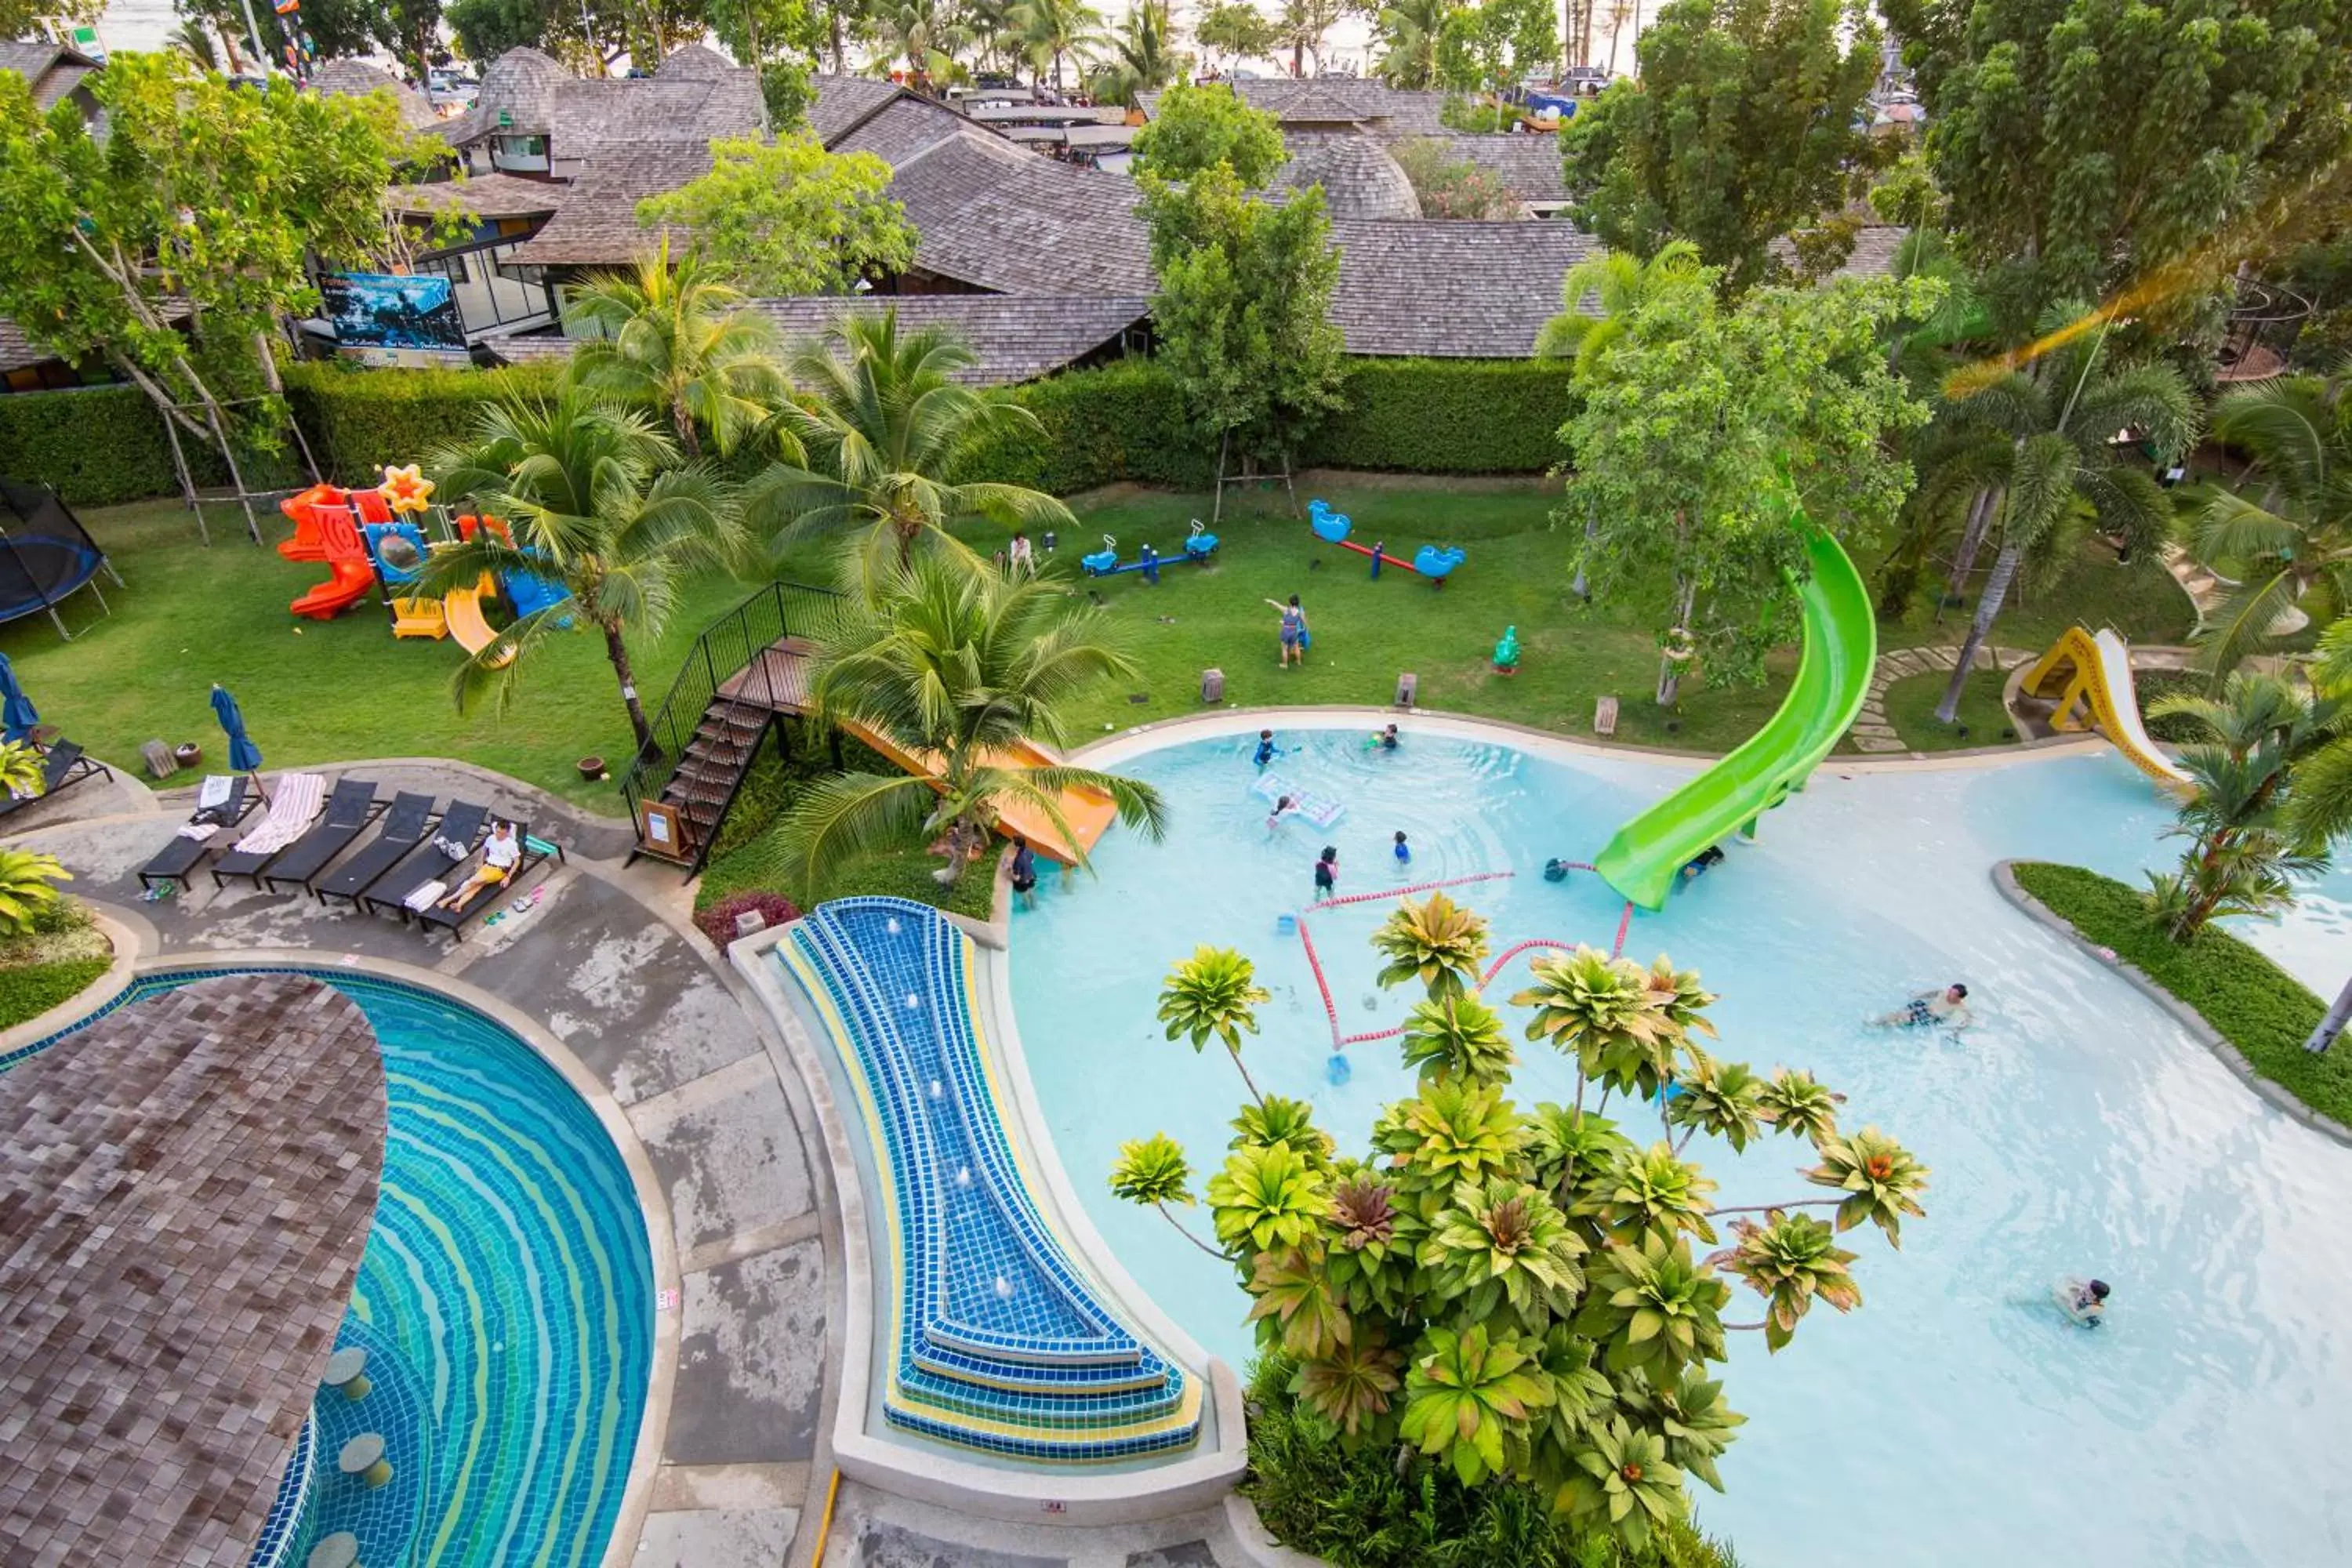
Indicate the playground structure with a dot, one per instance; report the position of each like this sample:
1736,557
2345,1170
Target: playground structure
1199,545
2086,673
1431,562
46,554
1644,856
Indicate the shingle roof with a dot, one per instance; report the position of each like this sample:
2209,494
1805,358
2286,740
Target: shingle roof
703,97
1451,289
901,129
16,349
484,196
1528,164
520,85
357,78
996,216
597,224
694,62
1383,110
845,102
1357,176
51,71
1016,337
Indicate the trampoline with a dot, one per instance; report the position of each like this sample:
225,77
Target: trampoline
46,554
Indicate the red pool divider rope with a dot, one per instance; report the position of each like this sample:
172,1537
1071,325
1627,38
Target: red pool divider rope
1415,888
1624,924
1517,948
1330,1009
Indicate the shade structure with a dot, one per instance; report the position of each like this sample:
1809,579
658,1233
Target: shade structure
17,714
244,756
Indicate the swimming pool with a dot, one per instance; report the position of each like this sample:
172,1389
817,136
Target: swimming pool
505,1300
1953,1419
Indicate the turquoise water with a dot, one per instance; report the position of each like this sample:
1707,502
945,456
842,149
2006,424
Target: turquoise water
505,1302
2077,1130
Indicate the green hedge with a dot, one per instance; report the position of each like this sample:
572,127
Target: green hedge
1448,416
2248,1001
30,990
1119,422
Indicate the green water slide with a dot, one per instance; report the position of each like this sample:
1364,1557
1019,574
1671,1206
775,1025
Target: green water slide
1833,678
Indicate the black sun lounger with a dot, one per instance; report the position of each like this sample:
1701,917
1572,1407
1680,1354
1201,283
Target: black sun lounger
454,921
62,766
349,811
178,859
462,824
352,798
403,829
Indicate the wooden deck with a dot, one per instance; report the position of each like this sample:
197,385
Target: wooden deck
777,679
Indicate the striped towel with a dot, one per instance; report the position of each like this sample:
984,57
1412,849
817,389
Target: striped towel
290,814
426,897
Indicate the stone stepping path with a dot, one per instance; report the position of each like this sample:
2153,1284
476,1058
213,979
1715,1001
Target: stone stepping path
1870,731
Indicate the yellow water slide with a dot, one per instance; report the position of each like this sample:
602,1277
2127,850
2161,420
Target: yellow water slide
461,608
2083,672
1088,811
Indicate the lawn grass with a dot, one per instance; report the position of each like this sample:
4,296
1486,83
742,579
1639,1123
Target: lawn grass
1911,702
313,691
2248,1000
316,692
30,990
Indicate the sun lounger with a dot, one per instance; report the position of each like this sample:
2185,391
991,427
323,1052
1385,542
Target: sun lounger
289,817
404,827
62,766
178,861
435,917
461,824
349,811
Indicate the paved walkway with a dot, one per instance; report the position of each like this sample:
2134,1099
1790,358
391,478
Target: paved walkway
1872,732
607,967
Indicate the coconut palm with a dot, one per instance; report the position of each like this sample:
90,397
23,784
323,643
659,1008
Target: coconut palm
676,341
193,39
1214,994
2286,533
1142,57
594,499
888,422
926,34
28,889
1051,30
961,667
1408,31
2047,446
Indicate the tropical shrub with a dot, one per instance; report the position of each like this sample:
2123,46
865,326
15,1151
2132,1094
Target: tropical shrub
717,921
28,889
1515,1312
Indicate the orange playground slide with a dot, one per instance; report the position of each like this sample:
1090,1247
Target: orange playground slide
1088,811
305,508
349,573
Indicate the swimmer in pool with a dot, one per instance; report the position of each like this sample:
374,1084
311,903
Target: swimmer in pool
1948,1007
1266,750
1404,850
1282,808
2084,1300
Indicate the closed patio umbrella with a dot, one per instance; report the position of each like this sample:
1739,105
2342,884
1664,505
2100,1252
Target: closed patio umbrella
244,756
17,714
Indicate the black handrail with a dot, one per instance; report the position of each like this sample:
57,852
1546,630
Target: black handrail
727,646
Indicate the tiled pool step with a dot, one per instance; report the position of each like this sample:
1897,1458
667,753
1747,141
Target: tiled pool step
997,1341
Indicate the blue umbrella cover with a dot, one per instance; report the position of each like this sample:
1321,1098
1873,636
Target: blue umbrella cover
244,756
17,714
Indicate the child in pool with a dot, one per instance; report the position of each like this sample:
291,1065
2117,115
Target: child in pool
2084,1300
1383,739
1326,871
1404,850
1282,808
1948,1007
1266,750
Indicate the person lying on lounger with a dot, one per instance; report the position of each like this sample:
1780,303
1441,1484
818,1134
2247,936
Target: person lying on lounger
501,852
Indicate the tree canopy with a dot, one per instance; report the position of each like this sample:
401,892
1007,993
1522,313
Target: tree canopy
1701,422
2087,145
1492,46
1740,132
1197,128
789,217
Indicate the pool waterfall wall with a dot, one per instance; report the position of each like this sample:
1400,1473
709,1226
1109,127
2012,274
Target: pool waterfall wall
866,1451
636,1497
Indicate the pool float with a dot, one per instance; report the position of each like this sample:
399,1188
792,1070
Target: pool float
1317,809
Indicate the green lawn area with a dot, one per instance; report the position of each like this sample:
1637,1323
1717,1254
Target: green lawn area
313,691
317,692
1983,721
2248,1000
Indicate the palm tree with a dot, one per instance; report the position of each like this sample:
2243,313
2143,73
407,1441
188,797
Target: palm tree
2052,460
926,34
677,342
1621,284
193,39
594,500
2248,841
2292,547
1216,994
961,666
1408,31
1051,30
1141,60
889,420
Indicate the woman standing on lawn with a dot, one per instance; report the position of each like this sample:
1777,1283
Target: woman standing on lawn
1294,631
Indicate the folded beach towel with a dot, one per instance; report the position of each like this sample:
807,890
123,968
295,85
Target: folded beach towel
290,814
424,898
199,831
214,791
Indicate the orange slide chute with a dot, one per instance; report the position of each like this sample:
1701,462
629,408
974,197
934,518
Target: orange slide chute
1088,811
349,573
305,508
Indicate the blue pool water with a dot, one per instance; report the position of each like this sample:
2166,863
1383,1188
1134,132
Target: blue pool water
1954,1419
505,1300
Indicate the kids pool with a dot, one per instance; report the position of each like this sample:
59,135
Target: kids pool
1954,1419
